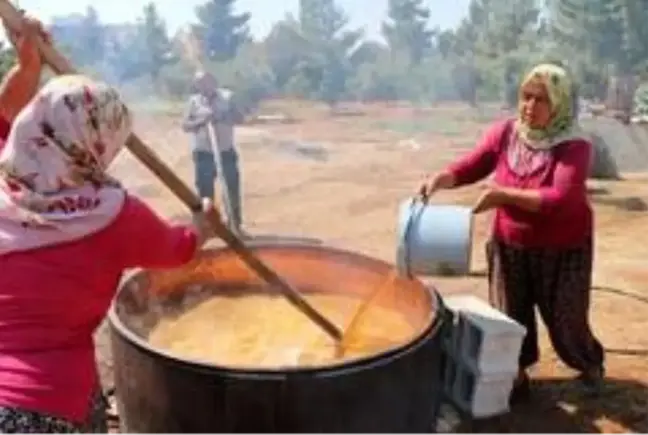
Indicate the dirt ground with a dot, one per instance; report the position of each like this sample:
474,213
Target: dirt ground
340,179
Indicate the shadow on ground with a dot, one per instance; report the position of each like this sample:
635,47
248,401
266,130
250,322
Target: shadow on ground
560,406
601,195
631,203
283,238
597,191
251,240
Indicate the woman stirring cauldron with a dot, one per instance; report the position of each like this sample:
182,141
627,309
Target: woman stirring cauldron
540,254
67,232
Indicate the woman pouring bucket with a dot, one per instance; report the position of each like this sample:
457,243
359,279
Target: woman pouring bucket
541,249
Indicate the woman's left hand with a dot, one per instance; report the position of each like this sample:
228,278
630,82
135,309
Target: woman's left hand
492,197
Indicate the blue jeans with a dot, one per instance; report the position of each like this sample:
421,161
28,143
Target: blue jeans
206,173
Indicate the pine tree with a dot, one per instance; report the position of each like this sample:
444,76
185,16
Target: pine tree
93,42
331,47
157,47
221,31
406,28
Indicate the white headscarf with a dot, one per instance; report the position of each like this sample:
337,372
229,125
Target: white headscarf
53,182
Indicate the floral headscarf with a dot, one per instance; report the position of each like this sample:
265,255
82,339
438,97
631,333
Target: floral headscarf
562,126
54,187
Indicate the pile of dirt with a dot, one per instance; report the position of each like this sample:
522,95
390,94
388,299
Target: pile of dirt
618,148
604,166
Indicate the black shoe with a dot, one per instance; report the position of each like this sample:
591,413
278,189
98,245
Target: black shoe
592,379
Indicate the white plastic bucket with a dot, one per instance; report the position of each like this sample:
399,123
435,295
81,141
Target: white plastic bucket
433,239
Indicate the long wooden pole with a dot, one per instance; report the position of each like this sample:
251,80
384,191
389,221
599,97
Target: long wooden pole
60,65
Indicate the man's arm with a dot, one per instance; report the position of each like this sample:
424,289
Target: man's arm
193,120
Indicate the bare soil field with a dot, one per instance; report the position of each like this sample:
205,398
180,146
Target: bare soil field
340,179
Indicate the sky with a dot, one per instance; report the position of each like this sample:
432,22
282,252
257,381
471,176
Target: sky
362,13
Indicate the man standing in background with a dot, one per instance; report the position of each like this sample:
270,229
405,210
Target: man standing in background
209,119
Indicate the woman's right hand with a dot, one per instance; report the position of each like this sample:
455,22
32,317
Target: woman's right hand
433,182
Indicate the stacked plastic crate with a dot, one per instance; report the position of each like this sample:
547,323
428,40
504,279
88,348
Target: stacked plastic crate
482,352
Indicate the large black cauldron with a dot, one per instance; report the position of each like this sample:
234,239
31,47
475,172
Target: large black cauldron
395,391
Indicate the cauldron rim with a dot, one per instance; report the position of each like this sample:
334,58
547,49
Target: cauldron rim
434,321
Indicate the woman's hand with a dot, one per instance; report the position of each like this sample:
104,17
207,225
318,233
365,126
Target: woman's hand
32,26
492,197
25,40
202,223
433,182
21,82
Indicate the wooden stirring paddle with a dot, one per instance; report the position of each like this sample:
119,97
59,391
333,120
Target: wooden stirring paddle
145,155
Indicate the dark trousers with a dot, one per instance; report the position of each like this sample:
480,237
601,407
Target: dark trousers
206,172
558,283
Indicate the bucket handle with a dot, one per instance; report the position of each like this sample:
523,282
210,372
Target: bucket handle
406,233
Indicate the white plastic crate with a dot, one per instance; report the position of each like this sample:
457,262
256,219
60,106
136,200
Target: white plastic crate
479,395
482,337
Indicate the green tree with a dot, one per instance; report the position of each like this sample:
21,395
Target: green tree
7,58
601,37
607,31
512,25
125,55
221,31
406,28
285,50
80,36
92,41
466,37
156,48
331,49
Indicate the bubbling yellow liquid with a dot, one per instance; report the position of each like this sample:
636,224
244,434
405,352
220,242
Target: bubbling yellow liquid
266,331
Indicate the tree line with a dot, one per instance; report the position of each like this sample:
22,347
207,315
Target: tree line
318,55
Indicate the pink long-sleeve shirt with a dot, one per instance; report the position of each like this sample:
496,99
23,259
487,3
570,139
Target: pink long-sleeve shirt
52,300
565,216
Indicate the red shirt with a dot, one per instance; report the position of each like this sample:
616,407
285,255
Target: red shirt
565,216
5,126
52,300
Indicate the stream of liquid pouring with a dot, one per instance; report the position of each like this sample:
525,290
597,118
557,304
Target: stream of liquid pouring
352,329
